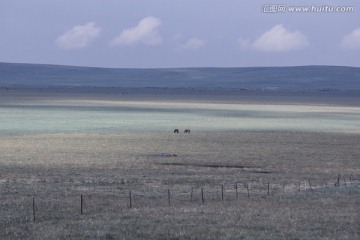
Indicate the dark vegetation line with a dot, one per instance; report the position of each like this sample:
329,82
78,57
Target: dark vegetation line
215,166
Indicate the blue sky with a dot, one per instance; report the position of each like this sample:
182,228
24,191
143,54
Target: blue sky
179,33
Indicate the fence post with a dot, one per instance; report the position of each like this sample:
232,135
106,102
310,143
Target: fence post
248,191
283,188
130,198
81,204
222,192
202,196
310,184
236,190
268,189
169,197
33,206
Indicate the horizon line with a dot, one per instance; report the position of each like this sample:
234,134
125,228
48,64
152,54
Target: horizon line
188,67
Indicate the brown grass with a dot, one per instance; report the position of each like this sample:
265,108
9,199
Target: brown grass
56,169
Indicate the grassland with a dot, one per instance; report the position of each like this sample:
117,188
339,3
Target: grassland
287,185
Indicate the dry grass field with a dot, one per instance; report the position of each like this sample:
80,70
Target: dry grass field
204,185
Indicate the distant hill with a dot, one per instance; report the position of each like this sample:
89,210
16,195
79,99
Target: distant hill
302,78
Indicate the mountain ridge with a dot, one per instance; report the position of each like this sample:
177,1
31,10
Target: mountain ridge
294,78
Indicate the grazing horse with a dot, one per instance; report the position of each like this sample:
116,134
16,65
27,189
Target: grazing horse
176,130
187,131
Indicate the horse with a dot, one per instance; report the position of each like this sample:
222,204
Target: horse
187,131
176,130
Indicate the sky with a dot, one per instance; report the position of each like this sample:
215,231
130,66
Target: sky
180,33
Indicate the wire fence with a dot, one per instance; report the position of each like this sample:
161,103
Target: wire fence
37,208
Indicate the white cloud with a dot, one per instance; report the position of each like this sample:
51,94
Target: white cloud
193,44
277,39
351,40
146,32
79,36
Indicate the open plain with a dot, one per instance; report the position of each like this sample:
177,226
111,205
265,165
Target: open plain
105,164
